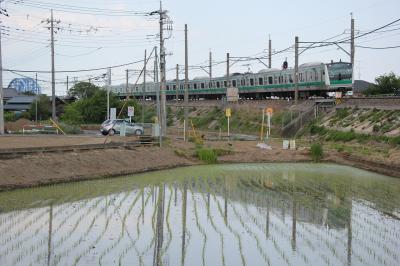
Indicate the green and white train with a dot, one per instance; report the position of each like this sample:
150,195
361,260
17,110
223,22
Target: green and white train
315,79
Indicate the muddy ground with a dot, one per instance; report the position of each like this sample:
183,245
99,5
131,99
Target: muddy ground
49,168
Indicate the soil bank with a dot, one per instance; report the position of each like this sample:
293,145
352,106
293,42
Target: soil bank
52,168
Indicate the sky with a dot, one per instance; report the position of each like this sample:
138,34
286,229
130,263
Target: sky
242,28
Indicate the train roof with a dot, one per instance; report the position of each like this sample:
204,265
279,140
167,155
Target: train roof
266,70
201,78
312,64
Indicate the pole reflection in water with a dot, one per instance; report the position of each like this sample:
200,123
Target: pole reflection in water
159,227
142,211
184,206
294,214
50,233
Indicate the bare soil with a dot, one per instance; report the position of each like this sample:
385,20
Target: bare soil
51,168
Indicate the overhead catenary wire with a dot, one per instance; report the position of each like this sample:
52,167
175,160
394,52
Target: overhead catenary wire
378,48
78,9
346,40
74,71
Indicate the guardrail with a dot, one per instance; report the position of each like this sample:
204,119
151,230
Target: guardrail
39,129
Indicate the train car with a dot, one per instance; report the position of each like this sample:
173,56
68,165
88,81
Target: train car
315,79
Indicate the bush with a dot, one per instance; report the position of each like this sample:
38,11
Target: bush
207,155
10,117
25,115
317,130
316,152
70,129
395,140
376,128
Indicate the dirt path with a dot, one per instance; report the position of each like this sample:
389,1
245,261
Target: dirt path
26,141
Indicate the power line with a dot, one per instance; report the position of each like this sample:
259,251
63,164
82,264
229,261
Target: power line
346,40
378,48
78,9
73,71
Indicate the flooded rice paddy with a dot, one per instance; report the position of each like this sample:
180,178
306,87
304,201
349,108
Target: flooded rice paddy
248,214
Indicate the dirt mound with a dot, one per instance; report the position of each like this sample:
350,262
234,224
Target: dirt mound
18,125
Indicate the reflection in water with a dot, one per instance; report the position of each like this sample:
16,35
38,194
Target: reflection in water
250,214
184,207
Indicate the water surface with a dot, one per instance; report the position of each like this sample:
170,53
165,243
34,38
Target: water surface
247,214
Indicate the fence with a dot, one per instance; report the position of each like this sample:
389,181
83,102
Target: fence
39,129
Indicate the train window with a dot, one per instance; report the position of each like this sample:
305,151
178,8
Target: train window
225,84
218,84
167,87
234,83
195,86
174,87
181,87
210,85
242,82
260,81
270,81
202,85
275,80
290,78
251,82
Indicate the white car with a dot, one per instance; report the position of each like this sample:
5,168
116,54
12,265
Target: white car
110,127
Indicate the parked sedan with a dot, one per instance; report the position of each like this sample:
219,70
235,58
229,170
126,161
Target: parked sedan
111,127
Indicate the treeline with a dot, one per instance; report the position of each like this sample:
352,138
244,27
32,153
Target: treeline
385,84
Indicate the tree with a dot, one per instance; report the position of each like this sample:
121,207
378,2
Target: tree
385,84
72,115
43,107
125,104
83,90
90,110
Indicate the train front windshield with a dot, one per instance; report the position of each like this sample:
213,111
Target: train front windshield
340,71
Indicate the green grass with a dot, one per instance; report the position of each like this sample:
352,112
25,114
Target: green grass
207,155
316,152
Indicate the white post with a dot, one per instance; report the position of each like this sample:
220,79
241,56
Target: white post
184,130
229,135
262,124
108,92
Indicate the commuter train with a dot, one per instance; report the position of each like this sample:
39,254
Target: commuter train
315,79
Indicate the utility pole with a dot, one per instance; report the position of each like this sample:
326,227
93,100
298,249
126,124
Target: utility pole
36,100
157,88
144,85
2,12
1,91
177,84
227,71
296,69
53,78
352,49
186,122
269,53
67,84
126,83
162,73
210,67
108,91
